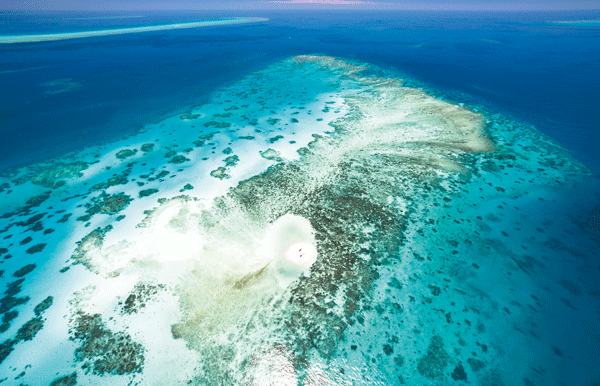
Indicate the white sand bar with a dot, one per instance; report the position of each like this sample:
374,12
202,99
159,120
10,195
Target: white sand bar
86,34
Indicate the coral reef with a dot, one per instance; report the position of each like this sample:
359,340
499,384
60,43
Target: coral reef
220,173
141,294
49,176
272,155
436,359
147,192
108,204
36,248
186,187
103,351
90,242
178,159
147,147
26,332
67,380
43,306
125,153
24,270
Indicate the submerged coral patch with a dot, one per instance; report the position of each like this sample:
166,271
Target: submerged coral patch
43,306
219,173
37,200
141,294
48,176
272,155
109,204
36,248
103,351
147,192
67,380
187,186
24,270
27,331
147,147
231,160
88,244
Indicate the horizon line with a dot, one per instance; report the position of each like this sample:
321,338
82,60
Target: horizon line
312,5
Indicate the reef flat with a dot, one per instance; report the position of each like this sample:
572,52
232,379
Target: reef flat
7,39
433,225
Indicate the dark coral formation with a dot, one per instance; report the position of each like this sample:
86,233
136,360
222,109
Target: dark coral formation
103,351
30,329
220,173
218,125
475,364
6,348
109,204
275,138
459,374
48,177
67,380
231,160
272,155
24,270
26,240
14,287
92,240
141,294
26,332
36,248
186,187
113,181
161,174
178,159
43,306
147,147
147,192
126,153
436,359
37,200
64,218
6,319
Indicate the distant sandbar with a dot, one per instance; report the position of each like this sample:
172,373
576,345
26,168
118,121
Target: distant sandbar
577,22
119,31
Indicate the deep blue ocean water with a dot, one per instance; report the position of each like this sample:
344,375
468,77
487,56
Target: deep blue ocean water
65,95
517,63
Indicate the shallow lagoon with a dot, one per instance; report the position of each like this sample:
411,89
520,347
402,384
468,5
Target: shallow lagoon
450,248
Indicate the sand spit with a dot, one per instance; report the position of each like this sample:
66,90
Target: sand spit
8,39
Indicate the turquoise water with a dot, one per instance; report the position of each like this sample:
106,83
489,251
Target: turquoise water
455,243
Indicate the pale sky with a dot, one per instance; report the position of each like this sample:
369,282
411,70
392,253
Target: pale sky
122,5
